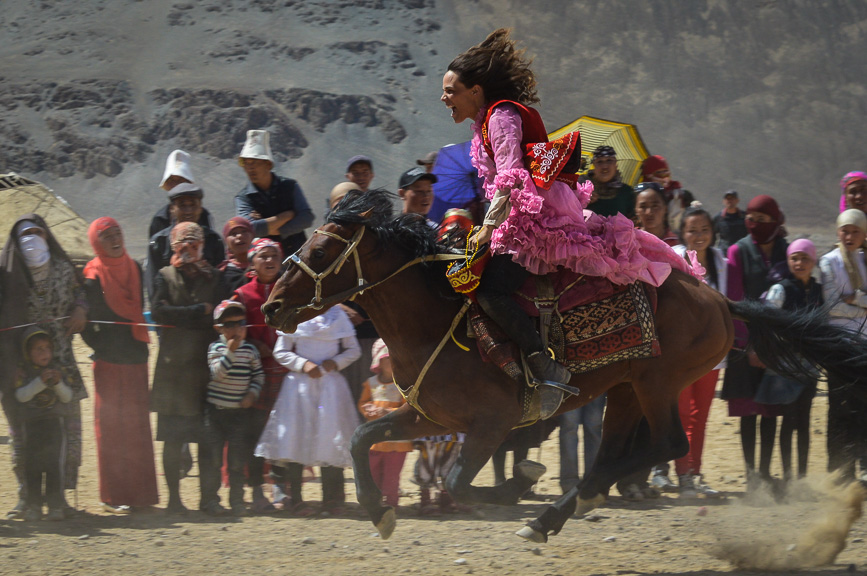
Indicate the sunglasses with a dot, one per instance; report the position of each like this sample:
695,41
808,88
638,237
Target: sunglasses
233,324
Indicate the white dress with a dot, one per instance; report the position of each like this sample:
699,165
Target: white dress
313,418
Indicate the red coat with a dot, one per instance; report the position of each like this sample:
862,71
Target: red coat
253,295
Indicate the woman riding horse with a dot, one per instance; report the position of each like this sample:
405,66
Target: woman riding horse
535,223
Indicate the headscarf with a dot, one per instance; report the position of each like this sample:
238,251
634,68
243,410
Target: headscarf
802,245
844,183
260,244
653,164
378,351
188,242
765,232
120,278
852,217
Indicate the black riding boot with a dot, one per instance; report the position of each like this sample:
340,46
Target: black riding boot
502,277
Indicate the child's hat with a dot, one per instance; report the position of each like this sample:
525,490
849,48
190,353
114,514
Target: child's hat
226,306
30,333
379,351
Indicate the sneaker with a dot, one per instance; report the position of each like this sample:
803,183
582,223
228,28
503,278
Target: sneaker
18,511
280,498
663,482
704,489
239,510
687,488
55,515
120,510
633,493
176,507
32,515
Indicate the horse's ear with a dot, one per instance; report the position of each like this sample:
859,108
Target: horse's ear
366,214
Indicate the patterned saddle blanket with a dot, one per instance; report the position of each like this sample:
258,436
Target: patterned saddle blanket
604,325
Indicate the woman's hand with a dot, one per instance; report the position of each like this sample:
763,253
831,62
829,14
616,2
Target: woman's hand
329,365
76,321
482,237
312,369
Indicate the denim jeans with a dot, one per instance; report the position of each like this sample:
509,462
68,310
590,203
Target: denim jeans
224,426
589,416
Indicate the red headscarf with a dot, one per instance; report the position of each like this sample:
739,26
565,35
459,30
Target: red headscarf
119,277
765,232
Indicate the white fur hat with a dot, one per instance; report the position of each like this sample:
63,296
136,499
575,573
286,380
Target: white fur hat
257,146
178,164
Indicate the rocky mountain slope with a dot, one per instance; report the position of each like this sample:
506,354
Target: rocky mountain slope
761,96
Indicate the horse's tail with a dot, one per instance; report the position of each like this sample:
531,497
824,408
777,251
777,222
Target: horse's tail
783,339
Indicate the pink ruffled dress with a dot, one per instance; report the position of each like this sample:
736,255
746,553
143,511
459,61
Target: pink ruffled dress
545,230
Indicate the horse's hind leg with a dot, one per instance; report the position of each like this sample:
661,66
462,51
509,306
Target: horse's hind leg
622,417
402,424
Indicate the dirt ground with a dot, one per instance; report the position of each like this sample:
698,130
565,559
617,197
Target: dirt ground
665,536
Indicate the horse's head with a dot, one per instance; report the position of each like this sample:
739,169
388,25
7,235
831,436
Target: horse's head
325,271
331,266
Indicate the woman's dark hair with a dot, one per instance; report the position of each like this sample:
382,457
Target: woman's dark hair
653,187
696,209
499,68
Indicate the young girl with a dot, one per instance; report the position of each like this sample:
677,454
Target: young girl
379,396
797,292
124,445
265,256
314,417
697,234
651,208
43,396
238,235
844,282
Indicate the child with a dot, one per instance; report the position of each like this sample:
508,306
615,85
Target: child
379,396
265,257
698,236
238,235
314,417
236,379
798,292
42,394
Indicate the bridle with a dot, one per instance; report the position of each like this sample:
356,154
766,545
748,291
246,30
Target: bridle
351,249
318,303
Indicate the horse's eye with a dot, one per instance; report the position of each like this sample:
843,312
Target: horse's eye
318,253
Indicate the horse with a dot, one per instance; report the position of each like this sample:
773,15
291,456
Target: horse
396,276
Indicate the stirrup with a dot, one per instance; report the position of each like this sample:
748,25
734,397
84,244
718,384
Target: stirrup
550,399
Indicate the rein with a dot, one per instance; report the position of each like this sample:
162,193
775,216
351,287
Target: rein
318,303
351,249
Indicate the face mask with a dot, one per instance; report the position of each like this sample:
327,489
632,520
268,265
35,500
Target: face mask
35,251
762,232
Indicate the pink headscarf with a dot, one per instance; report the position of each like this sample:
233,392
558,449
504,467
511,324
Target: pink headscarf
802,245
845,181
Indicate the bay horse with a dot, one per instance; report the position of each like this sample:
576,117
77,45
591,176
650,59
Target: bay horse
384,263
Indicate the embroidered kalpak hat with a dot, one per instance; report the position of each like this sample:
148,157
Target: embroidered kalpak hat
257,147
178,164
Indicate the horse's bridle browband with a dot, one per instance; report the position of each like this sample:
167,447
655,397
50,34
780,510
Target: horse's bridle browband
318,303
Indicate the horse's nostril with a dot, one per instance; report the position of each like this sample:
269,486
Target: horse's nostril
270,308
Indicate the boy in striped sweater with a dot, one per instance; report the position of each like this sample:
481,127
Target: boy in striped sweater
236,380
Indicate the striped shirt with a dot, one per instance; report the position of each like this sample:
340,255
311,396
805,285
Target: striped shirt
233,374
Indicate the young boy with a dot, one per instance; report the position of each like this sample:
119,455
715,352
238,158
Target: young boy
236,379
42,395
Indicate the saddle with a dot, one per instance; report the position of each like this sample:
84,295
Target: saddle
585,322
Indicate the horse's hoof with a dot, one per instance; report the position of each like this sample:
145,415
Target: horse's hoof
585,506
386,524
528,533
531,470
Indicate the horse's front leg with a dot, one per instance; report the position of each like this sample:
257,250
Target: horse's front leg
402,424
482,440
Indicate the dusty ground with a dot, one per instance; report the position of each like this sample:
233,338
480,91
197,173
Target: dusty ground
668,536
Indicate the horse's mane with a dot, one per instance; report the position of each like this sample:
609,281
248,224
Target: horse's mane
375,210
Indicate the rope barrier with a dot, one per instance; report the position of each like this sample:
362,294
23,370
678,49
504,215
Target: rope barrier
145,324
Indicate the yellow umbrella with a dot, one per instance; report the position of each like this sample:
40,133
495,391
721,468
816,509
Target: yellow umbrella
624,138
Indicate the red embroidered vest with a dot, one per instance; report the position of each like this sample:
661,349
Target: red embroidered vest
544,160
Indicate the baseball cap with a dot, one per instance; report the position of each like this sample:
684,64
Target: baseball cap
186,189
357,159
730,193
413,175
227,306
